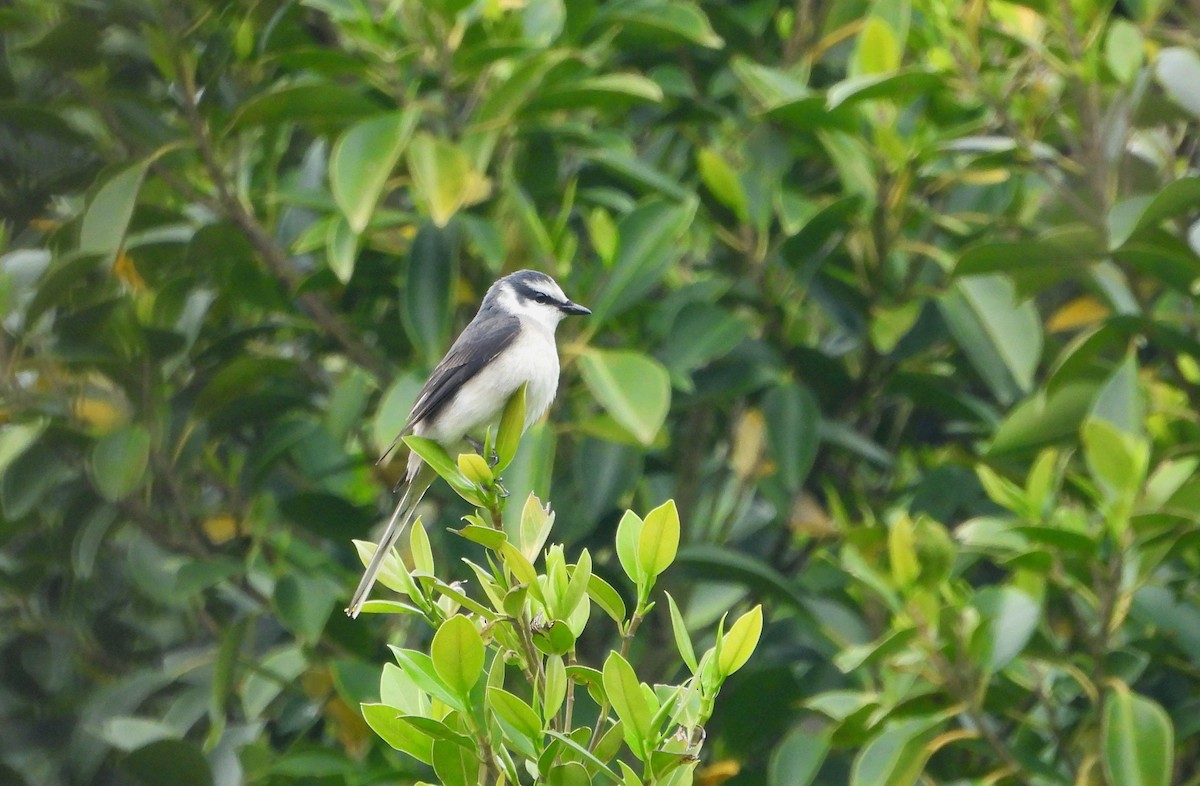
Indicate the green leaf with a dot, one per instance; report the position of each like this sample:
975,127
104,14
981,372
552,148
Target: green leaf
118,462
363,159
454,764
570,774
794,418
321,104
106,219
15,439
1044,418
895,757
1011,617
797,758
1119,402
677,17
720,179
625,694
304,603
740,641
682,640
519,720
599,767
659,539
401,735
1138,739
457,652
603,91
512,426
648,243
170,761
444,178
341,248
1001,336
429,289
633,388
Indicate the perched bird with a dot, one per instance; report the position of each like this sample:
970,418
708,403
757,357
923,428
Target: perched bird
510,342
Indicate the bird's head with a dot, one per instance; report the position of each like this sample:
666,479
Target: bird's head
532,295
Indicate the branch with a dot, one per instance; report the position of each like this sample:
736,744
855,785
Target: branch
273,256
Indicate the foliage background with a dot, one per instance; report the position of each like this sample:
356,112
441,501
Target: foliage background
895,298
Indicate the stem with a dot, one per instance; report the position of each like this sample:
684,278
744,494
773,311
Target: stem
626,640
273,256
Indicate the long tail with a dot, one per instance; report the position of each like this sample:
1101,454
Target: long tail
417,486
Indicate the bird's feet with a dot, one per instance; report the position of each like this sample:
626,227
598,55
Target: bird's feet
493,457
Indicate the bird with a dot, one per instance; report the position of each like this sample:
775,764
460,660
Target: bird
509,343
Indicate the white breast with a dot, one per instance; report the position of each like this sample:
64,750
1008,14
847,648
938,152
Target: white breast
532,358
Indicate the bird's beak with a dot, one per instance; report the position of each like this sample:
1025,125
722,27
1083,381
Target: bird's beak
574,308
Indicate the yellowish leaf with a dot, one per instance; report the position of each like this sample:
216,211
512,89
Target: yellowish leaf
749,435
220,529
1081,312
718,772
127,272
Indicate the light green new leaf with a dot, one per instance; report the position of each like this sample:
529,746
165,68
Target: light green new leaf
607,598
878,50
557,684
119,460
457,653
1116,460
401,735
362,160
634,388
1124,50
902,551
447,468
1139,740
682,640
658,541
625,694
739,642
512,426
629,533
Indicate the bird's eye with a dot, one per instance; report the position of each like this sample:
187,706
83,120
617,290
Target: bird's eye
543,299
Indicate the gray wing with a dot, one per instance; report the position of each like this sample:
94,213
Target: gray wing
477,346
